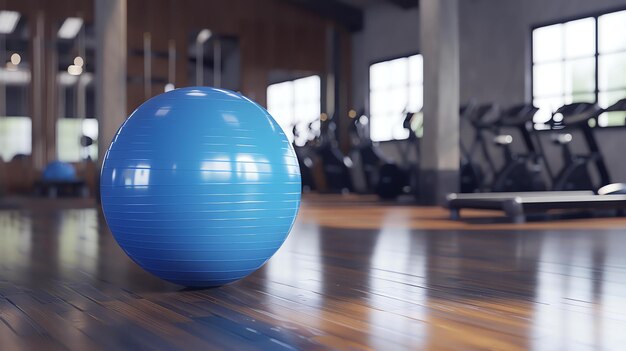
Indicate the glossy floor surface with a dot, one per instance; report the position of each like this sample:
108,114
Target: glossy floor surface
353,275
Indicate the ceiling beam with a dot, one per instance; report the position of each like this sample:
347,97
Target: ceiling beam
344,14
405,4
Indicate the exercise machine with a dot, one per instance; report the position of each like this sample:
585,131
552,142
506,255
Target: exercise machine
521,172
305,155
366,155
336,166
575,174
518,205
396,179
472,177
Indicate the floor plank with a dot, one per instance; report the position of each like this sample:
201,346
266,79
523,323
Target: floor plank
353,275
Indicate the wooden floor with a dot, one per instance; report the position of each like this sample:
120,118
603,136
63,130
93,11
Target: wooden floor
354,275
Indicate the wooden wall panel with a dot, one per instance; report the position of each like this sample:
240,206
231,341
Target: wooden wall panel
273,35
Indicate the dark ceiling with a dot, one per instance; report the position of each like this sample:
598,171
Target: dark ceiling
348,12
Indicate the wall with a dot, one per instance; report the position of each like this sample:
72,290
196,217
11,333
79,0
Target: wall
495,59
273,34
495,43
389,32
492,51
495,55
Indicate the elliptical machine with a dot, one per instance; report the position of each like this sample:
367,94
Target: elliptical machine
575,174
335,164
305,155
370,157
394,179
521,172
471,172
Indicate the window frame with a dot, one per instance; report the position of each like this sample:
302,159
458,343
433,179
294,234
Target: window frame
369,88
595,15
287,80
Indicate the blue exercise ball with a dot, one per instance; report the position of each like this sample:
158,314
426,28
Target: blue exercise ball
200,186
57,171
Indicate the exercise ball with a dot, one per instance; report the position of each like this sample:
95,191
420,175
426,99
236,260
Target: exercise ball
57,171
200,186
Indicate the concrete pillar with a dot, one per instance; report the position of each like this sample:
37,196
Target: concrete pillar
110,21
439,153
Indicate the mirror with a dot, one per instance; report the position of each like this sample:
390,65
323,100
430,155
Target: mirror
15,80
213,60
76,127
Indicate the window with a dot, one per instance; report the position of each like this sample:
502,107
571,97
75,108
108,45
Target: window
15,87
396,86
71,133
15,137
611,65
573,63
296,104
76,129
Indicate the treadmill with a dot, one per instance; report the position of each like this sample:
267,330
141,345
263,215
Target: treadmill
518,205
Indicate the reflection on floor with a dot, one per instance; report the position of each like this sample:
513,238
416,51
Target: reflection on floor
352,275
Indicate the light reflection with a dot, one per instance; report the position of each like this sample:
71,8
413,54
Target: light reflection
298,264
163,111
142,174
78,242
248,167
395,253
196,92
229,93
217,169
290,163
142,177
569,304
231,119
15,243
128,181
137,176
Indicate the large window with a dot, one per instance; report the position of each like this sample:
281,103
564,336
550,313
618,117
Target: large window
15,86
15,137
396,86
76,127
296,104
71,136
582,60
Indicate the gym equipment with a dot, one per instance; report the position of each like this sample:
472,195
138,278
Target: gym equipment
335,164
305,157
85,143
517,205
575,174
200,186
520,172
471,173
395,179
370,158
59,179
57,171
